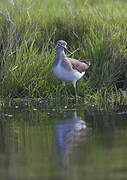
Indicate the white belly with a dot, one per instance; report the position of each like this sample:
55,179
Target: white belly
66,75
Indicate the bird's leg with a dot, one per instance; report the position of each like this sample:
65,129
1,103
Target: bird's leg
76,97
67,91
64,84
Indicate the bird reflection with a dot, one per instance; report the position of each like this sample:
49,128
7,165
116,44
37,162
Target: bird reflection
69,133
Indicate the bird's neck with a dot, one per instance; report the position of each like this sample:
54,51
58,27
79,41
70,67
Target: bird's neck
60,55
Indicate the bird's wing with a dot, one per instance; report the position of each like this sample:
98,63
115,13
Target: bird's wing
67,64
80,66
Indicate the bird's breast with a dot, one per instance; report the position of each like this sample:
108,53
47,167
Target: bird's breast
66,75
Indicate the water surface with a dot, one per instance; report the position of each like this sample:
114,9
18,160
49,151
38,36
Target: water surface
61,143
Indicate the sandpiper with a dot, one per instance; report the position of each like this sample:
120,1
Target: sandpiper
68,69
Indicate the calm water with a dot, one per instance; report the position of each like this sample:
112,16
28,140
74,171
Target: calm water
60,143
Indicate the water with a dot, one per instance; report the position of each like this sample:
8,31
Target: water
59,143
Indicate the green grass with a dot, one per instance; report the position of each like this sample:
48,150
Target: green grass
29,31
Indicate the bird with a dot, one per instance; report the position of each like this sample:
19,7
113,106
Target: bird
66,68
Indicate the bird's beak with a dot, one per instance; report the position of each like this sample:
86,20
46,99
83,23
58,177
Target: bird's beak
67,49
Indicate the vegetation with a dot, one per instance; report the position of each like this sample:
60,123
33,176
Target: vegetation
29,30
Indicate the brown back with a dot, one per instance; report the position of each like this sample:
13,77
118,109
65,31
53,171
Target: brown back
80,66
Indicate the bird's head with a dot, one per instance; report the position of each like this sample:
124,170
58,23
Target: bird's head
61,45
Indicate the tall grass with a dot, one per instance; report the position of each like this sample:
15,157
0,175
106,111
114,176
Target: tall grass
30,29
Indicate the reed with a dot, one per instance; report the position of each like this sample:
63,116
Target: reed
29,31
